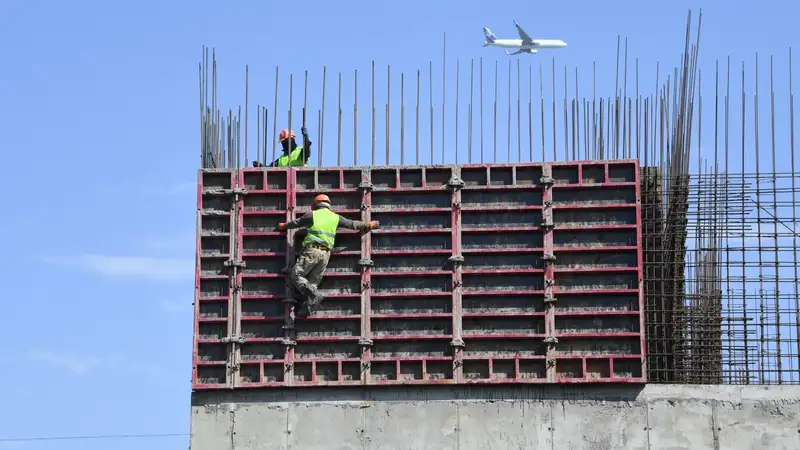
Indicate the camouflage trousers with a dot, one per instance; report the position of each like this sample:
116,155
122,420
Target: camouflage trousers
309,268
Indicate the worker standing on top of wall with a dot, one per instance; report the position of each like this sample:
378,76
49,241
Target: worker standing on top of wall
293,155
322,224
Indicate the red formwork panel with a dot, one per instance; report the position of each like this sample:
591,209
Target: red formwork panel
502,273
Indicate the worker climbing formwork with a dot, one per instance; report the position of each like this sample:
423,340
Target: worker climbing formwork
321,224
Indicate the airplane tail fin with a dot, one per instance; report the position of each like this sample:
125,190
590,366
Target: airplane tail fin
488,36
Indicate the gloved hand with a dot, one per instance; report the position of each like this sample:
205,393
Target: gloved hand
282,226
257,164
304,131
374,225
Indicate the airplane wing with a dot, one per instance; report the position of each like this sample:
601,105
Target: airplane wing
524,50
522,34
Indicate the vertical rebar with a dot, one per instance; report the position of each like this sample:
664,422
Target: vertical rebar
373,112
726,183
339,126
778,340
430,100
355,117
305,111
530,112
458,78
508,119
416,160
794,211
495,112
638,112
555,156
258,133
594,111
275,116
519,116
388,108
291,102
444,92
471,99
322,120
625,124
246,111
761,306
616,103
203,162
743,221
566,121
402,118
481,94
266,118
577,119
541,101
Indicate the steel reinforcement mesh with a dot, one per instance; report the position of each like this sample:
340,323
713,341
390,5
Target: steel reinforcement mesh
721,277
508,273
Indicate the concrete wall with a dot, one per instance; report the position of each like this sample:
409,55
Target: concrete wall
553,417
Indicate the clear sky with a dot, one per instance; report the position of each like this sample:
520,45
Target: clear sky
100,143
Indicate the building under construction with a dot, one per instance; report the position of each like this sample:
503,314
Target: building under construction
640,240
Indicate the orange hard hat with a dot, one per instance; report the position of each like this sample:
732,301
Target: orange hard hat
320,198
286,134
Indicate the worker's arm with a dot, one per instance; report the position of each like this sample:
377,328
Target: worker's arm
306,145
307,220
344,222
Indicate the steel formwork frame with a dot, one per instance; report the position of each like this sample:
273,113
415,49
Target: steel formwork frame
428,298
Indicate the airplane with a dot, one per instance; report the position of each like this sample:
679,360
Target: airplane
525,43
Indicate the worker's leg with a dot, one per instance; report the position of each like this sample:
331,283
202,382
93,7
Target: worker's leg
322,258
314,263
315,275
304,266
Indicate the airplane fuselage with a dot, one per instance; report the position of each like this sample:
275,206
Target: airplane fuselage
537,43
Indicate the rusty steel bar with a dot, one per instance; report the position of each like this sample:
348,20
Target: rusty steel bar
508,120
373,112
430,100
355,118
458,79
444,93
322,119
416,128
388,109
402,119
481,94
339,125
471,98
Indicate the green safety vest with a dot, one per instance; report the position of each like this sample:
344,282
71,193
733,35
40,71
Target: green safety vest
323,231
294,158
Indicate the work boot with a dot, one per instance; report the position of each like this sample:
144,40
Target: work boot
314,300
305,289
302,309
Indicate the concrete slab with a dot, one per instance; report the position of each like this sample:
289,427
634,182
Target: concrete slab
471,418
680,425
413,426
260,427
759,426
211,427
504,425
326,426
599,426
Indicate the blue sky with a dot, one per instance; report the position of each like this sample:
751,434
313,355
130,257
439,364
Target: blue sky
101,142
